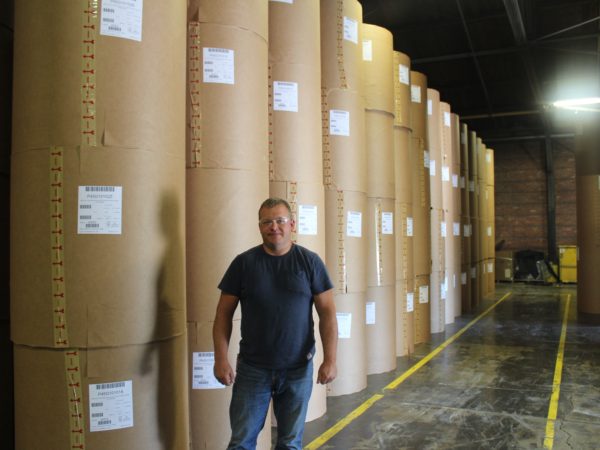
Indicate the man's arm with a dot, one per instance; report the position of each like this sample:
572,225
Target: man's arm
329,334
221,336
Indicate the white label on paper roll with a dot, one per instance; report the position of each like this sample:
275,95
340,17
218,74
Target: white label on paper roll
404,74
367,50
387,222
409,226
466,231
444,289
344,321
350,30
285,96
370,313
447,119
462,182
463,277
454,180
410,301
429,107
307,220
488,157
339,122
111,405
283,1
443,229
219,65
423,294
122,19
354,224
463,138
100,210
507,273
456,228
432,167
472,186
490,267
445,173
415,93
454,281
473,272
489,231
203,364
426,158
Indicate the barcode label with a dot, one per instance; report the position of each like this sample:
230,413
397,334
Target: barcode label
115,411
103,210
110,385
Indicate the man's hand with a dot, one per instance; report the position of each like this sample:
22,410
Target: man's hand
327,373
224,373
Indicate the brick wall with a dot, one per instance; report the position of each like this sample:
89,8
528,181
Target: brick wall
521,200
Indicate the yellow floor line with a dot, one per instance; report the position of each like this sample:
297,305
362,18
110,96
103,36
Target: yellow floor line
343,423
553,407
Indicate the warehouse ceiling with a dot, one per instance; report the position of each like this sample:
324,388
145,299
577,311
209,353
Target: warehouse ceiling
500,63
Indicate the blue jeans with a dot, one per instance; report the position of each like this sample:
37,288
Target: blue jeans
252,393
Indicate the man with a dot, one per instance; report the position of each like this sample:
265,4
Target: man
277,284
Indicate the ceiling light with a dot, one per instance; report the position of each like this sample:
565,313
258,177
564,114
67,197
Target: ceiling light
582,104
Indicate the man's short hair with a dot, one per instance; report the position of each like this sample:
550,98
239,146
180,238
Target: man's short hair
272,202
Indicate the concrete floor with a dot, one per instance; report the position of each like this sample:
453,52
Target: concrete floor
489,389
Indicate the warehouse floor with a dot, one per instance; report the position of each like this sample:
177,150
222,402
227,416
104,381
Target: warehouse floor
490,387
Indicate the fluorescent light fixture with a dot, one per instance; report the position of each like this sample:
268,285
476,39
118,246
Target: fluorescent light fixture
579,104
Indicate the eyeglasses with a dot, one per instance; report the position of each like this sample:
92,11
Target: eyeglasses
277,220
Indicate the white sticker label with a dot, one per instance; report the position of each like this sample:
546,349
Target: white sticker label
415,93
488,157
472,186
426,159
387,222
453,281
344,321
423,294
370,313
122,19
456,228
490,267
445,173
285,96
354,224
443,229
410,301
219,65
429,107
111,405
463,138
307,220
404,74
466,231
339,122
462,182
100,210
489,231
432,167
444,289
463,278
350,30
473,273
283,1
409,226
447,119
455,180
507,273
367,50
203,364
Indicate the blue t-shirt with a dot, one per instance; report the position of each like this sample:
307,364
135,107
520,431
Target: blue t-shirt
276,294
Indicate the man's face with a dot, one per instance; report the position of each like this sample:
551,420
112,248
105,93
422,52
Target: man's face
276,236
